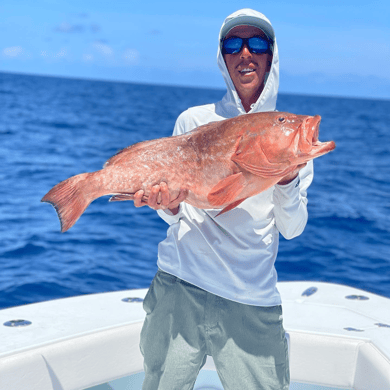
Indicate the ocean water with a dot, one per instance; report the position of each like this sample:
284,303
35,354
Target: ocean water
53,128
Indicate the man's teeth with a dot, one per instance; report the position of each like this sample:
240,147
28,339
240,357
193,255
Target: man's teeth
246,70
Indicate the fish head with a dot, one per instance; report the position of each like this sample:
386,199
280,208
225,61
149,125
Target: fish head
293,138
276,142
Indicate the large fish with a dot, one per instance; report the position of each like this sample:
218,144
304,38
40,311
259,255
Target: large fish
220,164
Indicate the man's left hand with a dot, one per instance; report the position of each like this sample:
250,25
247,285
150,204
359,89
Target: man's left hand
291,176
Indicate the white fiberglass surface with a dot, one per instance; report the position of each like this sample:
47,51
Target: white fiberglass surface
207,380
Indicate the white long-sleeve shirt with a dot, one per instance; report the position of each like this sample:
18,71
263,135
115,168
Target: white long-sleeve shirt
233,255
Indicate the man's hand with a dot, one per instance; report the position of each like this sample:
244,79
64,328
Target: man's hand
160,198
291,176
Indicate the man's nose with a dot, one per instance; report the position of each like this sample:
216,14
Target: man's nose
245,53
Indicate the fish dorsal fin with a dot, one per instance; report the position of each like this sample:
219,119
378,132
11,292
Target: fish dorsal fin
116,158
122,154
250,156
227,190
206,127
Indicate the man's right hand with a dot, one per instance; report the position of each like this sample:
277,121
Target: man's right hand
160,198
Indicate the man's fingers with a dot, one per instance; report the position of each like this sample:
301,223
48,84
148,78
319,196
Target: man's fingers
138,198
165,196
182,195
159,197
153,197
298,168
292,175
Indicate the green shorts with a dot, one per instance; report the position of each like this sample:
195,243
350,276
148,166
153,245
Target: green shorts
184,324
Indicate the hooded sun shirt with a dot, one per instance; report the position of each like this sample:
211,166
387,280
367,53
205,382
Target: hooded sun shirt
233,255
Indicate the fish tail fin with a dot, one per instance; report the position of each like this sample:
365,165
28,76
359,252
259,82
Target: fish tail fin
70,198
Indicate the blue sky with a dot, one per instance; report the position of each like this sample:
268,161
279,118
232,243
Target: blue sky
336,48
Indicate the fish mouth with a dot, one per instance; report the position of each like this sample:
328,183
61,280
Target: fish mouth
319,148
312,147
315,126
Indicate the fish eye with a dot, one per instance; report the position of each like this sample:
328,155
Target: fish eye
281,119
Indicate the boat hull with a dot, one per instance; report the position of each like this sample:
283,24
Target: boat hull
85,341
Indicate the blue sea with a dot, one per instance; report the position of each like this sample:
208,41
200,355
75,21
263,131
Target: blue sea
53,128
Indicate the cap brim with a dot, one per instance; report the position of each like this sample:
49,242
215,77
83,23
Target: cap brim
246,20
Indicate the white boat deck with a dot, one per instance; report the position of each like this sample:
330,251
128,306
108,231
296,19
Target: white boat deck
92,341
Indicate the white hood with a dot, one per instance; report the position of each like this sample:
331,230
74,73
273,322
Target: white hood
230,105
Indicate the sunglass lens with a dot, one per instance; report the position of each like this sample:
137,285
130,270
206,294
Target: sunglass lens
258,45
232,45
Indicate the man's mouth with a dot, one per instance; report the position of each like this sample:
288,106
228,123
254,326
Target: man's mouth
246,70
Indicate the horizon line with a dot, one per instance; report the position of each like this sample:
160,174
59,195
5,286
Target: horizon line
281,92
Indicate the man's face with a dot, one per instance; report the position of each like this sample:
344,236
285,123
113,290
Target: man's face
247,70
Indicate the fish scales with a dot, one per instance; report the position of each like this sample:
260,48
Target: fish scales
220,164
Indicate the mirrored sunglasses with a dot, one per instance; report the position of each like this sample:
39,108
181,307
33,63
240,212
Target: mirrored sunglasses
234,45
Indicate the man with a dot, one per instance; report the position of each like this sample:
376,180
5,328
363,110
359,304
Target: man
215,291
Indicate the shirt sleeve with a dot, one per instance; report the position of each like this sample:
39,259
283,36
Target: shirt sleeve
181,126
291,203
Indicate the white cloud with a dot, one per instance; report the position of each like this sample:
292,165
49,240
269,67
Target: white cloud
103,48
61,54
13,51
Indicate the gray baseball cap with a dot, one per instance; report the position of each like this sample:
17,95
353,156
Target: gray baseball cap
248,20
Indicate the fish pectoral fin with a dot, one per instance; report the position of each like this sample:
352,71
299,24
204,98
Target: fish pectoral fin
231,206
270,170
227,190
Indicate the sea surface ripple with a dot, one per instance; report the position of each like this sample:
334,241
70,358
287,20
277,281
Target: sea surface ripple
53,128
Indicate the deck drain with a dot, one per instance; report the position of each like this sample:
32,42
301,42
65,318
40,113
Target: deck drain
357,297
382,325
14,323
131,300
354,330
309,291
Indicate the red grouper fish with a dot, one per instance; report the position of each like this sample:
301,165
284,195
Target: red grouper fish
219,164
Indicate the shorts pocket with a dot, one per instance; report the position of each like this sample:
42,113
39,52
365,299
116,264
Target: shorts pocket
161,284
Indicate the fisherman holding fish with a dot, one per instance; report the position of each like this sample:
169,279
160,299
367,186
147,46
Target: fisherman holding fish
233,178
215,291
227,189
